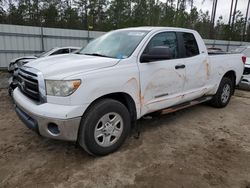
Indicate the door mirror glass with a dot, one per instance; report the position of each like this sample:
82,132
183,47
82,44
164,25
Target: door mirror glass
157,53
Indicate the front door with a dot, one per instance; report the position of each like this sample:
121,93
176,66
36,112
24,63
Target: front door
162,82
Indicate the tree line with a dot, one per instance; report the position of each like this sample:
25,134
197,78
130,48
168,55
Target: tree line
105,15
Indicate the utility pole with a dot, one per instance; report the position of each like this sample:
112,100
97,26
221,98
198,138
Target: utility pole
230,15
234,14
229,24
214,11
42,34
213,18
90,27
245,25
232,27
88,36
42,39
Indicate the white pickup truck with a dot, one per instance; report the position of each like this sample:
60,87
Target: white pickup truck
94,97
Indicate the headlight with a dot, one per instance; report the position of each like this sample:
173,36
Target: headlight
62,88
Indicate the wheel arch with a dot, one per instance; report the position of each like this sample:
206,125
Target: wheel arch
125,99
231,75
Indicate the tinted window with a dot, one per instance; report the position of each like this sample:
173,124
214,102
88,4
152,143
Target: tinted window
190,45
61,51
167,39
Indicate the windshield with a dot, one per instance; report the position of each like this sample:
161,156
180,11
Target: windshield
115,44
43,54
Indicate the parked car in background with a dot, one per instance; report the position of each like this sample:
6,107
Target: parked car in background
245,82
95,96
18,62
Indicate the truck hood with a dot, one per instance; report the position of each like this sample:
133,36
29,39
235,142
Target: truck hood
61,66
24,57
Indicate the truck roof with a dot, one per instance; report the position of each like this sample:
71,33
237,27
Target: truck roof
152,28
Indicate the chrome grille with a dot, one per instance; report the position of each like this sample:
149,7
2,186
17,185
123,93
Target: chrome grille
28,84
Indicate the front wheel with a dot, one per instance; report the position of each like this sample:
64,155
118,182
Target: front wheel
104,127
224,93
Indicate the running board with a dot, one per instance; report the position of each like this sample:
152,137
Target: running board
185,105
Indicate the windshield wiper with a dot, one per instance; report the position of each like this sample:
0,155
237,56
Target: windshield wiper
96,54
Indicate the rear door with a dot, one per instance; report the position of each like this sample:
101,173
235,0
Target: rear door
197,67
162,81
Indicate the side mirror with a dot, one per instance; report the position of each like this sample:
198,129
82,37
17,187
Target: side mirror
157,53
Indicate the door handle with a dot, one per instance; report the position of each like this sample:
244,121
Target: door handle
180,66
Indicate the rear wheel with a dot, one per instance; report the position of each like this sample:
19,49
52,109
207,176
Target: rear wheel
104,127
224,93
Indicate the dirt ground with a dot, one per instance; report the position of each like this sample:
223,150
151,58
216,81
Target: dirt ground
198,147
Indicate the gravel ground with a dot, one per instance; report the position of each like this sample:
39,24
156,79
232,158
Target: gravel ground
198,147
4,76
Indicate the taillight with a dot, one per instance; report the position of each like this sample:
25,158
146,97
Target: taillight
244,59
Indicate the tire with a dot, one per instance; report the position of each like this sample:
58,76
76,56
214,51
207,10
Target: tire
98,135
224,93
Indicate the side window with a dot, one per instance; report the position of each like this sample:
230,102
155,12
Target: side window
167,39
72,50
61,51
190,45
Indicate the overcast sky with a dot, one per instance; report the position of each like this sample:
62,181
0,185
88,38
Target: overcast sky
223,7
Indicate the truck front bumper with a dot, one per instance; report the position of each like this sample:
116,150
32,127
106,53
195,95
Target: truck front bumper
46,120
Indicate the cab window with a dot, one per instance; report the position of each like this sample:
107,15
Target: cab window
190,45
167,39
